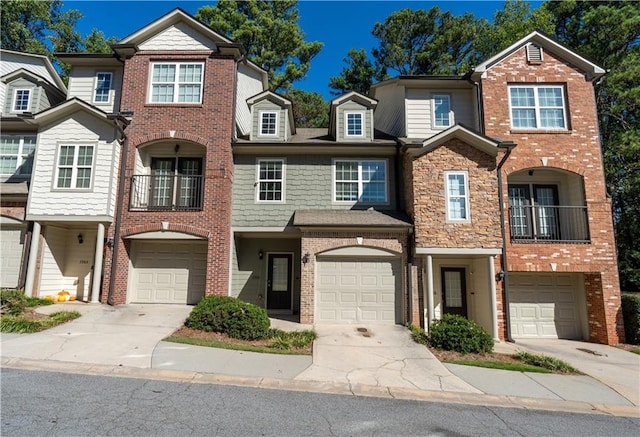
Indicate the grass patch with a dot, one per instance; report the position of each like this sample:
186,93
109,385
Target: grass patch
553,364
221,344
635,350
516,367
23,325
37,301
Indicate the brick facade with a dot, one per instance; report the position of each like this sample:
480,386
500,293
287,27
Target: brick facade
209,125
576,150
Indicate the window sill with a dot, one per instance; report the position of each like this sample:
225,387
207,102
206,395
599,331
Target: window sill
173,105
541,131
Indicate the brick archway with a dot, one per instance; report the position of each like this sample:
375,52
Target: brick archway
171,227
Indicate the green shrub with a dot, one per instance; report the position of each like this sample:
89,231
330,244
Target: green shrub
456,333
38,301
231,316
631,316
12,301
545,362
419,335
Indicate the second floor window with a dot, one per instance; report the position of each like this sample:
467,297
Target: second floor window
537,107
270,182
103,87
353,124
441,110
360,181
21,100
176,82
75,166
269,123
16,154
457,192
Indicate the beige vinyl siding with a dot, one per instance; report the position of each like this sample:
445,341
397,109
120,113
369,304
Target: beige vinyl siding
269,106
79,128
389,114
82,84
178,38
12,62
367,122
249,84
419,110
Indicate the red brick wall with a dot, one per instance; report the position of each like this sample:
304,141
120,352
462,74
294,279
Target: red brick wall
210,125
576,150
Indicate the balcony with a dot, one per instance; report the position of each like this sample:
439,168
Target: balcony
548,224
166,192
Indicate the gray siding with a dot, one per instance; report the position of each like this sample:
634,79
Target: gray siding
267,105
34,103
308,185
351,106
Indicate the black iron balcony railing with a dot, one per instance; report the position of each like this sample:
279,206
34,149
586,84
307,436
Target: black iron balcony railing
549,224
166,192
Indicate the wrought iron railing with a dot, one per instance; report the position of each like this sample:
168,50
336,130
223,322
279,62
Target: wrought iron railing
166,192
549,224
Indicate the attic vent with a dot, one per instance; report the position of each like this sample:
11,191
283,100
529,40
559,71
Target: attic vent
534,54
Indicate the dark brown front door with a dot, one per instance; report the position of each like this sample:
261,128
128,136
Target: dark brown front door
279,281
454,291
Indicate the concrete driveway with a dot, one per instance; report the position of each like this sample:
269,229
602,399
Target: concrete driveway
377,355
121,335
614,367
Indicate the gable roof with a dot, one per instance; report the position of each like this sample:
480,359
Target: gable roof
45,62
278,100
592,70
22,72
355,96
68,107
469,136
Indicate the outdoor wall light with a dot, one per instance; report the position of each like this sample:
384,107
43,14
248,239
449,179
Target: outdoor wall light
80,239
108,242
260,254
305,258
500,276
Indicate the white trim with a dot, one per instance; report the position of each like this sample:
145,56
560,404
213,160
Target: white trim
74,166
95,88
358,251
282,180
359,181
266,287
163,235
433,110
176,83
466,196
261,120
456,251
15,97
537,106
346,124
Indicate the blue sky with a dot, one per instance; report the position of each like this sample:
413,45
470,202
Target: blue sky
340,25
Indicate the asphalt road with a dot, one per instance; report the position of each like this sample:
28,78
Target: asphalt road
35,403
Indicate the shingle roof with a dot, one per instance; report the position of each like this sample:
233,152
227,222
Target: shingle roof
349,218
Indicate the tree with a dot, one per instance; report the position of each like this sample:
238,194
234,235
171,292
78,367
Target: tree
270,34
96,42
358,75
309,109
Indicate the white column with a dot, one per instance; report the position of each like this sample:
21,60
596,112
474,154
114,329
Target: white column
429,297
494,301
97,265
33,258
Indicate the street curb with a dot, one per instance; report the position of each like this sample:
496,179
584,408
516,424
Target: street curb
322,387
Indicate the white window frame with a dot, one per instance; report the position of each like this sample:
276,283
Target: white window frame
346,124
95,88
466,197
261,125
450,113
360,181
20,154
537,107
15,100
282,180
176,84
74,166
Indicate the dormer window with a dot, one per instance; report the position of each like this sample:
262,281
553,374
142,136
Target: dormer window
21,100
269,123
353,124
442,110
103,87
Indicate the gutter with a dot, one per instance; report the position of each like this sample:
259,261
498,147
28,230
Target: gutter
118,221
504,274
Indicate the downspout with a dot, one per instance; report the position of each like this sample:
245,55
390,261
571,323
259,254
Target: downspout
401,205
504,274
118,221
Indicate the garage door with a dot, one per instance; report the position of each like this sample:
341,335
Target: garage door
11,250
168,272
545,305
352,290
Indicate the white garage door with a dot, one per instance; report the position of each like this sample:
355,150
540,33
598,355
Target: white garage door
168,272
350,290
545,305
11,253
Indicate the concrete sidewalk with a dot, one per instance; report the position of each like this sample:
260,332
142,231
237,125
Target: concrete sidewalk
372,359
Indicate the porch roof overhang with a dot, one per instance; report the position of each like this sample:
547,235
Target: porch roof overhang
458,251
346,218
475,139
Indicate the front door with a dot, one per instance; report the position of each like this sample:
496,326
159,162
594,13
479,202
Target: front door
454,291
279,284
